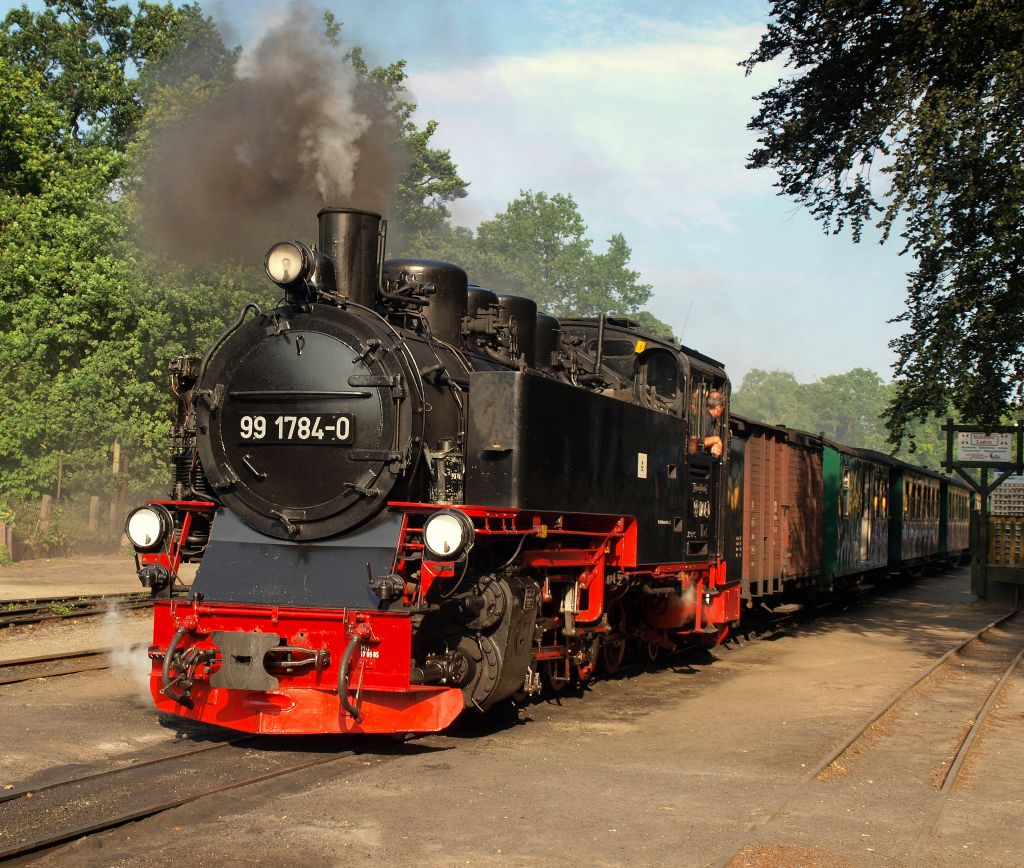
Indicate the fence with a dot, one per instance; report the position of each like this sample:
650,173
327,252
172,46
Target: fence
72,526
1006,535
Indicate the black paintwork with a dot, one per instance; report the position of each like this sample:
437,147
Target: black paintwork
535,443
441,289
242,565
307,361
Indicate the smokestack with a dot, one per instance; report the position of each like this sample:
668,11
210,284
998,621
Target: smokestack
354,241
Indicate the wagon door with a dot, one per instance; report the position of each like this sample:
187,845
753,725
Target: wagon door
866,517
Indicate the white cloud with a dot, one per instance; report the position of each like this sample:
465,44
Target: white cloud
651,140
653,133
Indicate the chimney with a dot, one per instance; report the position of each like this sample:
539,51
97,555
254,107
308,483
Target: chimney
354,242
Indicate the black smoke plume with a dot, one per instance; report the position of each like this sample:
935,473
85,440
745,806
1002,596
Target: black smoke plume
296,131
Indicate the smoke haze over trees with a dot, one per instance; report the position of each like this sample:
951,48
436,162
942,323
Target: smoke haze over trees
849,408
99,102
911,115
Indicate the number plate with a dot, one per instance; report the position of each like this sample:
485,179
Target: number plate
328,429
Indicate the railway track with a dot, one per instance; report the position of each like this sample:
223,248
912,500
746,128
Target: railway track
51,665
103,800
40,818
18,612
935,720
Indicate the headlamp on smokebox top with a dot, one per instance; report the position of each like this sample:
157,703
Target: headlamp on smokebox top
289,263
149,527
448,534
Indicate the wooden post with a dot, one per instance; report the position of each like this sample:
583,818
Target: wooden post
119,467
7,539
983,539
94,513
45,508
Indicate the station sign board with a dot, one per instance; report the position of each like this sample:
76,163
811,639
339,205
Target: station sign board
985,447
1000,448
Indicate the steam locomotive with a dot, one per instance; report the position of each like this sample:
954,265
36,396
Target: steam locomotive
410,496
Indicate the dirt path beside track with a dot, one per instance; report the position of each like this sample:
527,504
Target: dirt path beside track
86,575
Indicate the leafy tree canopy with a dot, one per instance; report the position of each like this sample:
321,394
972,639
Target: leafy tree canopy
91,316
538,246
848,408
91,59
774,397
912,115
77,354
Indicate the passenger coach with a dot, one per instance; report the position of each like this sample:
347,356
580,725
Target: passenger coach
808,513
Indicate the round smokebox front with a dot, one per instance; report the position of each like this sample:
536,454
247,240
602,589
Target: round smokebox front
302,419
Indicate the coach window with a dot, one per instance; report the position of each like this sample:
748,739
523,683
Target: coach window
844,496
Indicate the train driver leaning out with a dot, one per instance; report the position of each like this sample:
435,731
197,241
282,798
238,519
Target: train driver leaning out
713,422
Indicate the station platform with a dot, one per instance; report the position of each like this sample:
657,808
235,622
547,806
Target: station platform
76,576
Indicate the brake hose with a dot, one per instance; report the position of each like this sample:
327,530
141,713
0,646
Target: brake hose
360,634
165,673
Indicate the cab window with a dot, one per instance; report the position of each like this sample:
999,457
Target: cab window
659,377
661,372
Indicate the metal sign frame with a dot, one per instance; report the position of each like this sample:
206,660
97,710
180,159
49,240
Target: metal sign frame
1014,465
1009,468
1003,469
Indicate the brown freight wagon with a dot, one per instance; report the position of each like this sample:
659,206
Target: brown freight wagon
774,508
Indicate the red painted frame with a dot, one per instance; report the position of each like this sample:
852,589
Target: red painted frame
569,547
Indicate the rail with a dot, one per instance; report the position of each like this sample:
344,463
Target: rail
18,612
51,665
37,819
831,762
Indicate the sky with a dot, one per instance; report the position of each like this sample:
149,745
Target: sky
638,109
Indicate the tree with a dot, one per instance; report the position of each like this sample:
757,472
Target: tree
848,408
538,247
912,114
76,352
93,57
92,312
773,397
